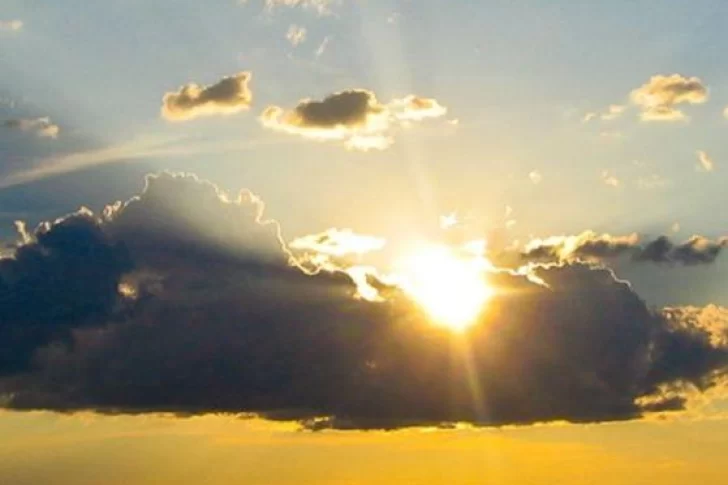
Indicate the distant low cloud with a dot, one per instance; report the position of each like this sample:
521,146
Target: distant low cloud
591,246
535,177
11,25
322,7
354,117
610,179
706,163
229,95
613,112
42,127
659,97
321,49
296,35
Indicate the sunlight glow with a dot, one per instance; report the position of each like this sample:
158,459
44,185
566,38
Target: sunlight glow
451,288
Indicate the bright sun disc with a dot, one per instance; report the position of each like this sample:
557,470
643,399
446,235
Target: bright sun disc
451,289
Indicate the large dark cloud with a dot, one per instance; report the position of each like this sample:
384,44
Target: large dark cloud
65,278
213,317
590,246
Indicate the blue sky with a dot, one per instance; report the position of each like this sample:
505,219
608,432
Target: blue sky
518,76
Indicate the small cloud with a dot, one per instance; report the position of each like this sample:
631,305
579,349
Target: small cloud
613,112
653,181
675,227
11,25
611,135
42,127
229,95
354,117
706,163
610,179
322,47
321,7
535,177
658,98
296,35
393,18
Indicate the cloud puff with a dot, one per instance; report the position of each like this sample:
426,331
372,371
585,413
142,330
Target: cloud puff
706,163
296,35
354,117
659,97
208,314
40,126
613,112
11,25
535,177
322,7
610,179
229,95
591,246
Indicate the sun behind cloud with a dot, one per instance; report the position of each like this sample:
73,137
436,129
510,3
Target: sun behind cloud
451,288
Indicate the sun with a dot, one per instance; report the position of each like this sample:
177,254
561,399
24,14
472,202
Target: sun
450,287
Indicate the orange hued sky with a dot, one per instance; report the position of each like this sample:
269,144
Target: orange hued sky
91,449
413,242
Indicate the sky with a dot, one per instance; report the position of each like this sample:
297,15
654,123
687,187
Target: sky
351,216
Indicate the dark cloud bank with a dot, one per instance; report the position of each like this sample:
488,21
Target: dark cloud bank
183,300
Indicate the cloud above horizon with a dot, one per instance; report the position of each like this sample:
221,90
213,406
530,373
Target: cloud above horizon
187,299
659,97
590,246
11,25
41,127
354,117
229,95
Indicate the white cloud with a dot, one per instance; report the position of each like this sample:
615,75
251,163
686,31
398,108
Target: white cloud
11,25
706,163
658,98
296,35
535,177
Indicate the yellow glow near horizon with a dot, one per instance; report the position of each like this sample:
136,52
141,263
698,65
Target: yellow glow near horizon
450,288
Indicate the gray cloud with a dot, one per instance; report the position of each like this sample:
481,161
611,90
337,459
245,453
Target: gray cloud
42,127
208,314
591,246
229,95
354,117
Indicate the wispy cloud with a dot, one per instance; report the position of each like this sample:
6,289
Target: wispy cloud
706,163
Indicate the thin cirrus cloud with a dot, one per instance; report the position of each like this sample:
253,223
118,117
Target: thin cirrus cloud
705,162
659,98
354,117
186,299
613,112
229,95
42,127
